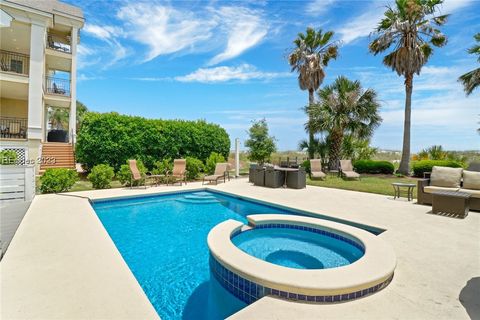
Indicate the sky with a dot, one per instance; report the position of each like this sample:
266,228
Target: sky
226,62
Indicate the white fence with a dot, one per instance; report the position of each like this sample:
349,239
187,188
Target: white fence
17,183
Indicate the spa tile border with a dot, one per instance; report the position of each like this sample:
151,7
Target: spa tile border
249,291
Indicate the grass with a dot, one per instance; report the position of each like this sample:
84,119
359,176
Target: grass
84,185
380,184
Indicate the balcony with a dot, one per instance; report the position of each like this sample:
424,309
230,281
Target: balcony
59,43
13,128
13,62
57,86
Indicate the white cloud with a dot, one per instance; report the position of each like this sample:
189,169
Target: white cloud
362,25
103,32
163,29
112,51
245,28
318,7
450,6
224,74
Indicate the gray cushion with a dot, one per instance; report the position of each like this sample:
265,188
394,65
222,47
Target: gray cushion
446,177
471,180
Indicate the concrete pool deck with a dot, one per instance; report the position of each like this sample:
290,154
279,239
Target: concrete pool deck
62,264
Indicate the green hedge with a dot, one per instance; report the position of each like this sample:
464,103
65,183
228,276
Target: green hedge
112,139
422,166
374,167
57,180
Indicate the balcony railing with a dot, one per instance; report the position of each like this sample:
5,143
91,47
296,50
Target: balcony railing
58,43
13,128
14,62
57,86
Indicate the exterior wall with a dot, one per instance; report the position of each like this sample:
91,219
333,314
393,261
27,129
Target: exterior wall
35,88
13,108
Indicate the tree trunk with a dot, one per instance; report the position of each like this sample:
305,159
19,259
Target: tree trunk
311,135
405,162
335,149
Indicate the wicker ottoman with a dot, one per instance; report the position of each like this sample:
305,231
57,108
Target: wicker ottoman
451,202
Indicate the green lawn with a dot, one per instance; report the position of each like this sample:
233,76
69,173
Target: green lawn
381,184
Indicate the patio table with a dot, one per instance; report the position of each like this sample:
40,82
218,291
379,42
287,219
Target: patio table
286,170
398,185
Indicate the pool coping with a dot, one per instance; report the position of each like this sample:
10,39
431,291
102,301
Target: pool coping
375,267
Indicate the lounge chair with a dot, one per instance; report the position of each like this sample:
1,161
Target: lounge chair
316,169
346,169
135,173
179,172
221,171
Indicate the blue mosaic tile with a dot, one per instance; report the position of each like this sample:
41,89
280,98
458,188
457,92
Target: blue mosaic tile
249,291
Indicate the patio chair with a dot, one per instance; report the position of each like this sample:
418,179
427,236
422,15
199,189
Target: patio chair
135,173
346,169
179,172
316,169
221,171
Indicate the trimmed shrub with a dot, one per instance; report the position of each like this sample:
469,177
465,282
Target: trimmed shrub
124,175
101,176
112,139
161,167
374,167
306,165
194,167
56,180
8,157
212,161
420,167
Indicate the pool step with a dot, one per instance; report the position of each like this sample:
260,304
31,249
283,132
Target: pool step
198,201
200,197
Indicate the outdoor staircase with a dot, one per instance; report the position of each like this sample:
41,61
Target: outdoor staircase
57,155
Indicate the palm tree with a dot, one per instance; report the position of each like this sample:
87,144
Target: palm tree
344,109
411,28
313,50
471,80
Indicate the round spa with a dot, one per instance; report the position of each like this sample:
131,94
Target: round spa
298,258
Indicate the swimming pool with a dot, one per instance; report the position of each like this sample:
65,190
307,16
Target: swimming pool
162,238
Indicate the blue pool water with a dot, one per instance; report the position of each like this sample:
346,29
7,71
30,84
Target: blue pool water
163,239
297,248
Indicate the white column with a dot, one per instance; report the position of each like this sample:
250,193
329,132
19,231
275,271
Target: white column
73,87
35,86
237,158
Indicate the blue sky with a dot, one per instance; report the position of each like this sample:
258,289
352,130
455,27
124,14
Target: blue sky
225,62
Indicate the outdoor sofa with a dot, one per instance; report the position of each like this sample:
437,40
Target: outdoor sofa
450,179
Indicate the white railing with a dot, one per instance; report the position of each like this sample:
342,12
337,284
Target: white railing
17,183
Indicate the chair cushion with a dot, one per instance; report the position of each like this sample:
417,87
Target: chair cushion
351,174
430,189
446,177
471,180
473,193
318,174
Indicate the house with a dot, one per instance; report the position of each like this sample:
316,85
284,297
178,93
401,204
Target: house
38,62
